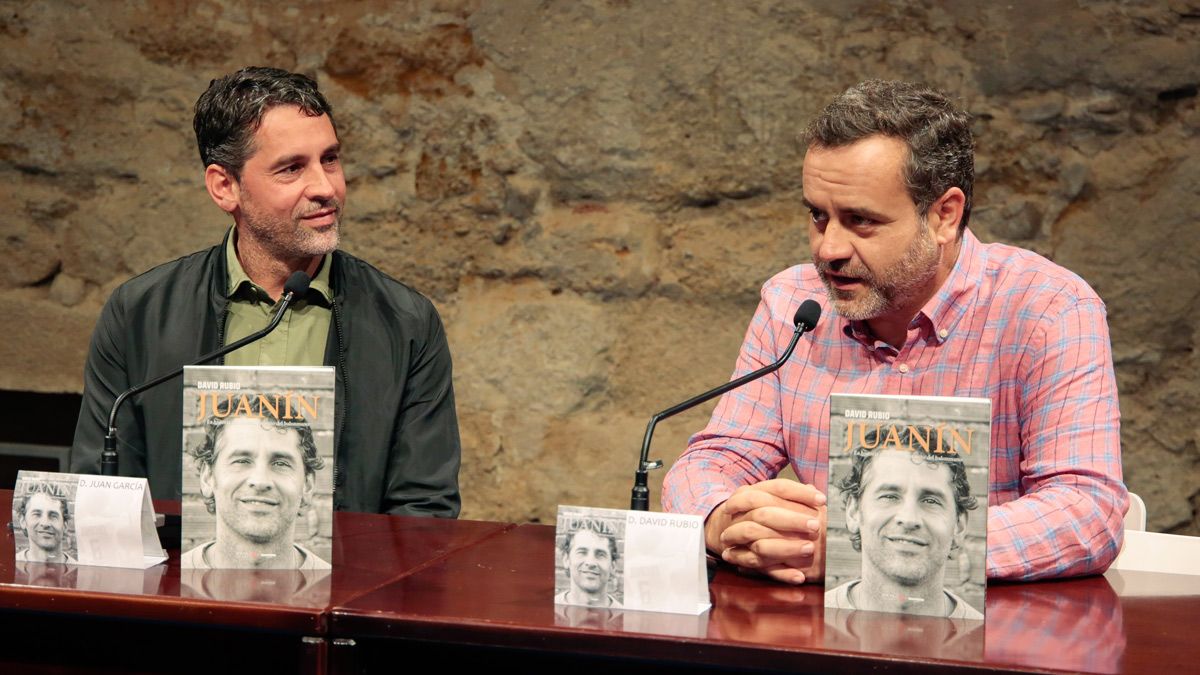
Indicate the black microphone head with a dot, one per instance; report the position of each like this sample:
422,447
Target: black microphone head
297,285
808,315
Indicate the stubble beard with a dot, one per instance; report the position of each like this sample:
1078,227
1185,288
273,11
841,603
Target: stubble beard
287,239
892,288
257,530
907,571
588,586
53,549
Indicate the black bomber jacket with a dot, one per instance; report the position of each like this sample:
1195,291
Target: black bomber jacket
396,439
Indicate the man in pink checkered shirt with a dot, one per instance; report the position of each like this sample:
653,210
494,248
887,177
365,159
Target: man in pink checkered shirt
915,304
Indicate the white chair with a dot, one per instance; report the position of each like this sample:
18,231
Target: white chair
1152,551
1135,518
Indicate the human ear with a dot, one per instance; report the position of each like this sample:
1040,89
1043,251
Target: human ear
960,534
307,495
206,480
945,214
223,187
852,516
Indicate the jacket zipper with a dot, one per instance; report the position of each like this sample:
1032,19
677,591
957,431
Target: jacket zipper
221,330
341,418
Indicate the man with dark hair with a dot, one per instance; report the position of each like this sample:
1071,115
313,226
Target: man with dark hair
916,305
44,514
272,159
589,555
906,511
257,475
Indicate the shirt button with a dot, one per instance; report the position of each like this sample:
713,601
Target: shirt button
943,333
903,367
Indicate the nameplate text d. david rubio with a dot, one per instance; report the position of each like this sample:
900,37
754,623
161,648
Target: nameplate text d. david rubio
617,559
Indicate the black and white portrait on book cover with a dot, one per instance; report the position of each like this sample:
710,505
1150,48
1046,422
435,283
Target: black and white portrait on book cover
589,560
42,517
908,494
257,467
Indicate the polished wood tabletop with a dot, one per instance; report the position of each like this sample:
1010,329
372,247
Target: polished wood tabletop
229,613
482,593
498,594
369,551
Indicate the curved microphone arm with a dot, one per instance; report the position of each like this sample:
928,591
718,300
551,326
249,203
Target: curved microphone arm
295,286
805,320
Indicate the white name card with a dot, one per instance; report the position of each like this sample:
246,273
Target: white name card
85,520
617,559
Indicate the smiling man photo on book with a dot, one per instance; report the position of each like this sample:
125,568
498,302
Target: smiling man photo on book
43,515
906,511
257,476
589,556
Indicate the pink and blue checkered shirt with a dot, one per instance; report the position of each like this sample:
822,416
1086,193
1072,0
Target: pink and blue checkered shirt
1007,325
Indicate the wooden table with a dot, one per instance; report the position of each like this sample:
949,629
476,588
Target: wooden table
480,594
59,617
491,604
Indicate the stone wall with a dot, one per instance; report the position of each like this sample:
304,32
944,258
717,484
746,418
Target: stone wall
593,191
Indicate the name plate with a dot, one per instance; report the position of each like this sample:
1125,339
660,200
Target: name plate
617,559
77,519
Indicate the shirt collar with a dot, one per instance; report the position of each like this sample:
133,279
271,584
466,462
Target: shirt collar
240,285
943,312
954,299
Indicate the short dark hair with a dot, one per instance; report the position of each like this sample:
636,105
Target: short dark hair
597,526
941,149
851,486
206,452
52,490
232,108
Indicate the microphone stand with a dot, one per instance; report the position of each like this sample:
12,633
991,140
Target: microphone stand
108,458
640,498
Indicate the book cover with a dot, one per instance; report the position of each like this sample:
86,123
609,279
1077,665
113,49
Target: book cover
257,467
589,566
43,517
908,496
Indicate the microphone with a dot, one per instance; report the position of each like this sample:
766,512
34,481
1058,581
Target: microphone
805,320
295,286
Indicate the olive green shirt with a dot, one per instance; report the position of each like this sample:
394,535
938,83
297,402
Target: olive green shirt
298,340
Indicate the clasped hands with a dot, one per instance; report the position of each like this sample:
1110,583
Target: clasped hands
775,528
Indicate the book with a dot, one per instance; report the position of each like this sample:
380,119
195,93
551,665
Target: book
257,467
907,509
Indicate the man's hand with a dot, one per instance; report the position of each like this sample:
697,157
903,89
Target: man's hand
776,528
